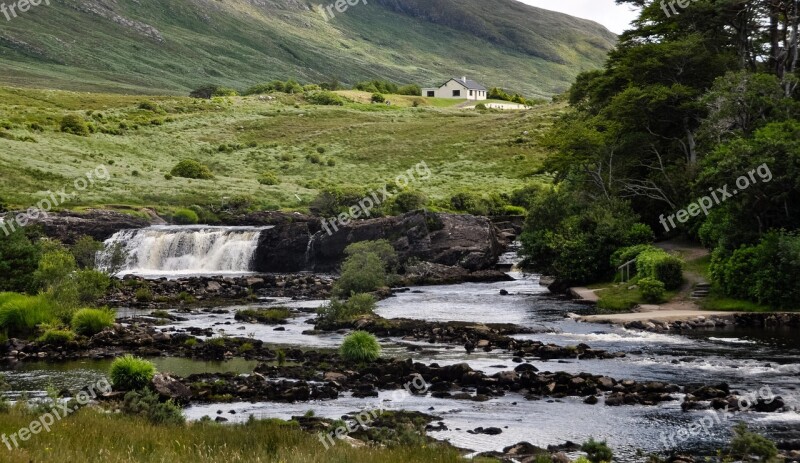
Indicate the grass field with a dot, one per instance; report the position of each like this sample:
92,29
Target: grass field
91,436
307,147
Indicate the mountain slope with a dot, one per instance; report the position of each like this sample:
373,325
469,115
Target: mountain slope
171,46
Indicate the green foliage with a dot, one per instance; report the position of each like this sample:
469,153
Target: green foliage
55,337
280,357
361,273
378,98
360,346
19,259
763,273
89,322
75,125
90,285
382,248
573,238
143,294
190,168
129,373
341,311
85,251
652,290
408,201
269,178
185,217
481,107
597,452
662,266
146,403
324,98
271,316
410,89
751,447
20,315
55,266
377,86
332,201
628,253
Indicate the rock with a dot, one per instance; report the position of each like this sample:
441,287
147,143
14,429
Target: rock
487,431
68,226
170,388
335,377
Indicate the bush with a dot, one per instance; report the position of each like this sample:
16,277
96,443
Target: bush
360,346
652,290
190,168
130,373
408,201
271,316
90,285
19,259
340,311
597,452
749,446
75,125
410,89
324,98
514,210
361,273
143,295
382,248
658,264
378,98
55,267
85,251
185,217
89,322
268,178
55,337
628,253
481,107
146,403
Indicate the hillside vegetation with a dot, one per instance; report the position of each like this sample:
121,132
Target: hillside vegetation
275,153
172,46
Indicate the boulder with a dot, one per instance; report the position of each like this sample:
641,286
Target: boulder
170,388
68,226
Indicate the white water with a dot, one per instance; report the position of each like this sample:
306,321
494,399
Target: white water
185,250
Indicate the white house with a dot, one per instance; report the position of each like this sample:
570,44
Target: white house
460,89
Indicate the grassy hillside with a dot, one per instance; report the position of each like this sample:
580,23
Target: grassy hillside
241,138
171,46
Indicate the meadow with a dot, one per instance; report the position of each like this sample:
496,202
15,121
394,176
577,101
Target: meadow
306,147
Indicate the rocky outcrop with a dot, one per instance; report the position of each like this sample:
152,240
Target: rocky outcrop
469,242
99,224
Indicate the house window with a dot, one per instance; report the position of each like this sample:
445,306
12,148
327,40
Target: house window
470,93
456,92
431,93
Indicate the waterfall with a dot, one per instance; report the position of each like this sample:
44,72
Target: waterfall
183,250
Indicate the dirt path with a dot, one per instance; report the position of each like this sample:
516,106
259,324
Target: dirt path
680,307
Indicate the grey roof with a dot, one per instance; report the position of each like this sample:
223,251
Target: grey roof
470,84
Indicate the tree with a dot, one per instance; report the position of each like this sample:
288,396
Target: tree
19,259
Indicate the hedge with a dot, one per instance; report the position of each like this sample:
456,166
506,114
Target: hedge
658,264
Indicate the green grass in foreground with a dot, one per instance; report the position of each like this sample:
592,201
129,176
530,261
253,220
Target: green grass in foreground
241,138
92,436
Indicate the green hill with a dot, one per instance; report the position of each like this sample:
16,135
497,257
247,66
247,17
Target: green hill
171,46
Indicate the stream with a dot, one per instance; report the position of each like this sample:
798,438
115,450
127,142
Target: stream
748,360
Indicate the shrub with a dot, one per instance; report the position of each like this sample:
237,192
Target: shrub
324,98
190,168
143,295
146,403
55,337
271,316
19,259
268,178
54,268
480,106
408,201
339,311
513,210
75,125
597,452
410,89
130,373
658,264
85,251
360,346
314,158
378,98
746,445
652,290
361,273
90,285
628,253
185,217
89,322
382,248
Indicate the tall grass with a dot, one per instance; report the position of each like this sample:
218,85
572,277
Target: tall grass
89,435
20,314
